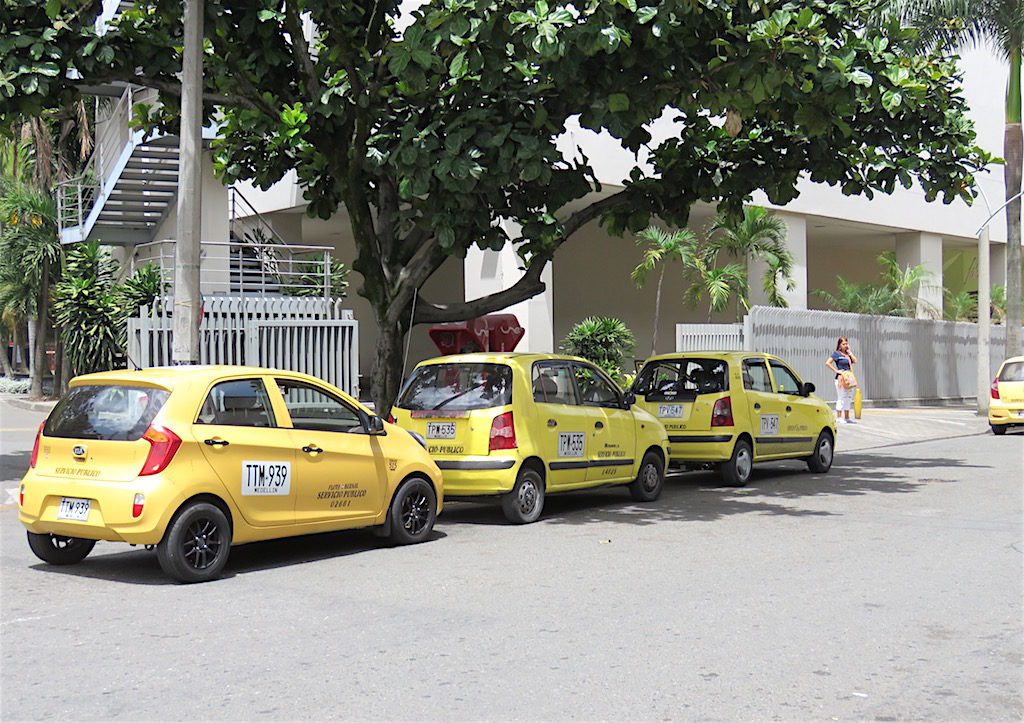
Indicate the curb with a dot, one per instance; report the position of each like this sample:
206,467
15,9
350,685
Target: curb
17,400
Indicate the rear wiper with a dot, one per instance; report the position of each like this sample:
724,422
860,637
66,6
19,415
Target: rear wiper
456,396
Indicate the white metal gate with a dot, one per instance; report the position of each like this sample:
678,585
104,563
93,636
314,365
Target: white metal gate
310,335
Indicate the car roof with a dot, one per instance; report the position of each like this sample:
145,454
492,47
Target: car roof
499,357
1013,359
710,354
172,376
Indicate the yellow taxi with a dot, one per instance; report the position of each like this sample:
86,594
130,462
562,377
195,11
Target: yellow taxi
524,425
194,459
1006,405
732,409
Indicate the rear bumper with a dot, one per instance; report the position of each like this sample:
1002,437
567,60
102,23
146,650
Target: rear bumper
478,476
110,509
703,447
1005,413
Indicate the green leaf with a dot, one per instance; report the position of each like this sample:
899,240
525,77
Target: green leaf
457,69
860,78
618,102
52,8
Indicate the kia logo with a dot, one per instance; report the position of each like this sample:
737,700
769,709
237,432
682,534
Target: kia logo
78,451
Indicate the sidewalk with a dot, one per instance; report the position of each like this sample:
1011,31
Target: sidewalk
33,405
885,427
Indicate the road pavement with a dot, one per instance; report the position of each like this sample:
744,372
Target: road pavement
889,589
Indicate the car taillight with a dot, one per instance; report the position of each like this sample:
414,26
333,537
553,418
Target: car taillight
137,504
21,496
503,432
994,389
35,447
391,419
163,444
721,415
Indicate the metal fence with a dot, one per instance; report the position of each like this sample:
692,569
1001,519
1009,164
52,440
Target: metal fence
314,336
898,359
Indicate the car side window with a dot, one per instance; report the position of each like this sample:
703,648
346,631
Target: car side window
552,383
594,389
311,407
238,403
755,376
785,380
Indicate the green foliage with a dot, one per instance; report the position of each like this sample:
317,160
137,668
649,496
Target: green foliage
92,311
603,340
312,283
755,234
962,306
14,386
895,294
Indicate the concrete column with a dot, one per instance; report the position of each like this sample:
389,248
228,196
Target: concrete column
487,272
796,242
997,252
913,249
214,232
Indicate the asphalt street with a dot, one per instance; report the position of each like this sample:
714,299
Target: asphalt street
889,589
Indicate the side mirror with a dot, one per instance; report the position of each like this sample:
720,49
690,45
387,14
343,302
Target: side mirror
375,425
629,399
808,389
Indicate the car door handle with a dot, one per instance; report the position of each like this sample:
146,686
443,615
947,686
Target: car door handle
598,425
216,442
789,408
552,423
311,450
757,406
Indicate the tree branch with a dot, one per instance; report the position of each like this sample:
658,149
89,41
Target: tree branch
300,50
528,286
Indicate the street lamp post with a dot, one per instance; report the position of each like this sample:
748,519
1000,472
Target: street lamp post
187,298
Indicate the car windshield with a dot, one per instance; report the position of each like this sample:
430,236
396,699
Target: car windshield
458,387
674,379
106,411
1012,372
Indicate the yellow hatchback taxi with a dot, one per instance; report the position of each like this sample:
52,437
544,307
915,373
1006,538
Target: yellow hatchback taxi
195,459
732,409
1006,405
525,425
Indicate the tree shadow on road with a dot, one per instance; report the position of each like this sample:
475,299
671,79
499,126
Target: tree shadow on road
138,566
699,496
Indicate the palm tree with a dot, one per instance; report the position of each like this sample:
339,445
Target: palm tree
29,243
718,283
756,235
905,284
999,24
661,249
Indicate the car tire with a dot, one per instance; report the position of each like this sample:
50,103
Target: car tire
413,512
649,481
525,502
998,429
820,460
196,544
736,471
58,549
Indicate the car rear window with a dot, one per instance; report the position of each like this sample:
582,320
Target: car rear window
674,379
458,387
105,411
1012,372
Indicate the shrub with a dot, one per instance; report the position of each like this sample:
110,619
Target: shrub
14,386
603,340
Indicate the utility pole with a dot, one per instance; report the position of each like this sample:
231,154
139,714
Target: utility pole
187,299
984,320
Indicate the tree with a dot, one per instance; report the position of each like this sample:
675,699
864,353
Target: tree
662,248
951,24
756,235
897,292
603,340
434,135
720,284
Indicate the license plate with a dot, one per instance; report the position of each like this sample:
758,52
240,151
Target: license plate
266,479
440,430
73,508
769,424
670,410
570,444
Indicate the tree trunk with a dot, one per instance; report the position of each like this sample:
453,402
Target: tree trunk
66,372
1012,153
19,347
8,369
657,313
39,342
387,366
